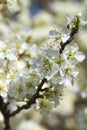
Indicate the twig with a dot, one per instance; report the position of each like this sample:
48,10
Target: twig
73,32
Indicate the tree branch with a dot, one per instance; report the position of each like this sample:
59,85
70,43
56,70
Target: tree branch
31,101
5,112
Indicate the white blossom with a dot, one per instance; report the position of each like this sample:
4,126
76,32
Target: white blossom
72,53
44,104
59,36
73,21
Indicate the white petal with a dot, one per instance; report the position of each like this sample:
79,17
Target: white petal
2,56
69,18
83,23
80,56
11,56
32,90
2,44
52,32
75,73
68,81
79,14
62,73
65,38
75,48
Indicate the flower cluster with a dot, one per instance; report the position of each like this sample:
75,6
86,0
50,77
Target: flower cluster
23,67
73,21
16,79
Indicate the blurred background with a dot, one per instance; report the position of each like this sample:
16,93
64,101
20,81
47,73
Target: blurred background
30,21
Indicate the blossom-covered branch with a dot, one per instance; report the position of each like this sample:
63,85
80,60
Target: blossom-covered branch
35,75
45,62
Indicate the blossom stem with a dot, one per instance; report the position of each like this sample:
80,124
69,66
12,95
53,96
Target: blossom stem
73,32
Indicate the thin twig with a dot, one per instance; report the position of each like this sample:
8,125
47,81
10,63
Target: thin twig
72,34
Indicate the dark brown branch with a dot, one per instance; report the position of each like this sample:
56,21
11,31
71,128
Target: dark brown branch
1,102
31,101
5,113
7,123
73,32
